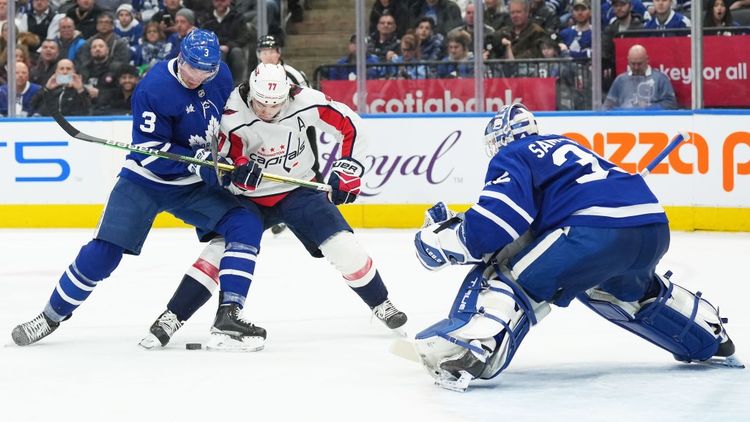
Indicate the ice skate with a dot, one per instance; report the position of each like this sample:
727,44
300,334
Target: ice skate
34,330
391,317
233,333
161,331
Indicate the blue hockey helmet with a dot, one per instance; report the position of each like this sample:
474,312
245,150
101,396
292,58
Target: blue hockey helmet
200,49
511,123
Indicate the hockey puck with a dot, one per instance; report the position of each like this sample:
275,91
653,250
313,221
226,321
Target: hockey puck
193,346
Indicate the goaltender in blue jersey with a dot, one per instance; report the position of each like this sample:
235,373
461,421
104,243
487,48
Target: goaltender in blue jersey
555,222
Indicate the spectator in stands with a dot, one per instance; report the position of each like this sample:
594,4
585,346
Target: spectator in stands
409,54
468,27
496,14
70,39
431,44
396,8
184,23
117,47
99,73
203,9
445,13
459,63
49,54
739,4
576,40
384,39
116,100
84,15
146,9
153,47
525,36
641,87
167,17
111,5
63,93
718,15
40,20
231,28
544,15
25,91
666,18
636,8
350,72
625,19
127,26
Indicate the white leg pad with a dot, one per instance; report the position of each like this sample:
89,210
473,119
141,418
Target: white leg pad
206,268
345,253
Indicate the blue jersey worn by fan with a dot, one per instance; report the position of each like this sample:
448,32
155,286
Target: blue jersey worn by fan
176,108
554,222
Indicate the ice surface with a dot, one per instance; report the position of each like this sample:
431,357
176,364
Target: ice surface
325,360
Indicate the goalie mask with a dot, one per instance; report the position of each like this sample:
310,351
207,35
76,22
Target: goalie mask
269,90
511,123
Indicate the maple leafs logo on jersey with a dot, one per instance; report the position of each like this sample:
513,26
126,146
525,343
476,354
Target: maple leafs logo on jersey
197,141
504,178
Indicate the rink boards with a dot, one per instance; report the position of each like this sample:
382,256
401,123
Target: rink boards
51,180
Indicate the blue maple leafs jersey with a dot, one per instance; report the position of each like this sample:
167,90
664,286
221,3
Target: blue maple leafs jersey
169,117
546,182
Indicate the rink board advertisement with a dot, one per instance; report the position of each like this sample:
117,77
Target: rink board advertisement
51,180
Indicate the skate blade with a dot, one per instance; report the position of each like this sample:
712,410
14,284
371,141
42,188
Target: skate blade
730,362
150,342
225,343
448,382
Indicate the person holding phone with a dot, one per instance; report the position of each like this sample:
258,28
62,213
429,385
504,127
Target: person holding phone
63,92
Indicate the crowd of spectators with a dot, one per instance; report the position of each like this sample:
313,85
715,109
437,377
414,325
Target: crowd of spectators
84,57
434,38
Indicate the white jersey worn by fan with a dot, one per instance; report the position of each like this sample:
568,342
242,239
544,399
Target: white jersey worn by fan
281,147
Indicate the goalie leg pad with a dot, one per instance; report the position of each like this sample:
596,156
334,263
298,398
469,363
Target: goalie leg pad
489,319
676,320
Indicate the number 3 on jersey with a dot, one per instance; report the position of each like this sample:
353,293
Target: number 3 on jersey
560,156
149,122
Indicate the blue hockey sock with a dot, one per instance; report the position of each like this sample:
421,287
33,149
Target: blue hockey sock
95,262
374,292
189,296
236,272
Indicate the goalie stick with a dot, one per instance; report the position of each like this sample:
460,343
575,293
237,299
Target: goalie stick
75,133
674,143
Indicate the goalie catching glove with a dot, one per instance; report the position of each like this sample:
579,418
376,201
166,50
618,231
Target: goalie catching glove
345,181
206,173
246,174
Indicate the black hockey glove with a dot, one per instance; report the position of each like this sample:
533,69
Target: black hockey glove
345,181
247,174
208,173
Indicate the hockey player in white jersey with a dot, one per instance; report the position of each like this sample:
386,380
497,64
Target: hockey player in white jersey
269,52
263,129
594,232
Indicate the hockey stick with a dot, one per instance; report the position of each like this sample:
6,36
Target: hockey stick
75,133
677,140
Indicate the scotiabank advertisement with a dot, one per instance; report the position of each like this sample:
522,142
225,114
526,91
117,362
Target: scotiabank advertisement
725,66
445,95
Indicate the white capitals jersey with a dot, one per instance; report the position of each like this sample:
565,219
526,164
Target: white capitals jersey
281,147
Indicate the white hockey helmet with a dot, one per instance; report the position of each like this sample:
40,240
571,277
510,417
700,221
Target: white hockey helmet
511,123
268,85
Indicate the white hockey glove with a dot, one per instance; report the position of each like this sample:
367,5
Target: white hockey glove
443,244
437,213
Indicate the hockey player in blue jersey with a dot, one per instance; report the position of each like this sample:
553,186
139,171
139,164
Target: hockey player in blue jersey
176,108
554,222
